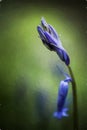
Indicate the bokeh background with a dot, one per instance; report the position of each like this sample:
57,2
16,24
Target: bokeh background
29,76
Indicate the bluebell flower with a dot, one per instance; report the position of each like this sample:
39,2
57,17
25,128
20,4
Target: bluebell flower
62,94
51,40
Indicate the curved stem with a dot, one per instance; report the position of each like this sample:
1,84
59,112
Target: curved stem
74,92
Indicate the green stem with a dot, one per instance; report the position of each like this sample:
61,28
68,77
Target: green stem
74,92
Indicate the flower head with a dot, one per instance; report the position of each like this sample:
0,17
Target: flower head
62,94
52,41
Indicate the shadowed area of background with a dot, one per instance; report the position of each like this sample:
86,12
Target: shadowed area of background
29,77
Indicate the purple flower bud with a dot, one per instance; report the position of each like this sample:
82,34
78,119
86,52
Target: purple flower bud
62,94
43,38
52,41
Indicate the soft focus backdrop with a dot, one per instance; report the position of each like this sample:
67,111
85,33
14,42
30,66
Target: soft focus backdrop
29,76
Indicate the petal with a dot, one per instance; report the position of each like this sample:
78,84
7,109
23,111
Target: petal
50,38
64,112
44,39
53,31
44,24
41,32
53,41
57,115
60,53
62,94
63,89
63,55
66,58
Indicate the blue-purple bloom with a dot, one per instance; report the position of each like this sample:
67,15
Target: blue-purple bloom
52,41
62,94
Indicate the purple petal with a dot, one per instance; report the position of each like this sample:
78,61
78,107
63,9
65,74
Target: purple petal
60,53
62,94
66,58
57,115
63,55
50,38
53,31
64,112
44,23
41,32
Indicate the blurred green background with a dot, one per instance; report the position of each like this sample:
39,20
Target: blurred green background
29,77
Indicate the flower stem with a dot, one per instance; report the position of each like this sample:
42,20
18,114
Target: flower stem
74,92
